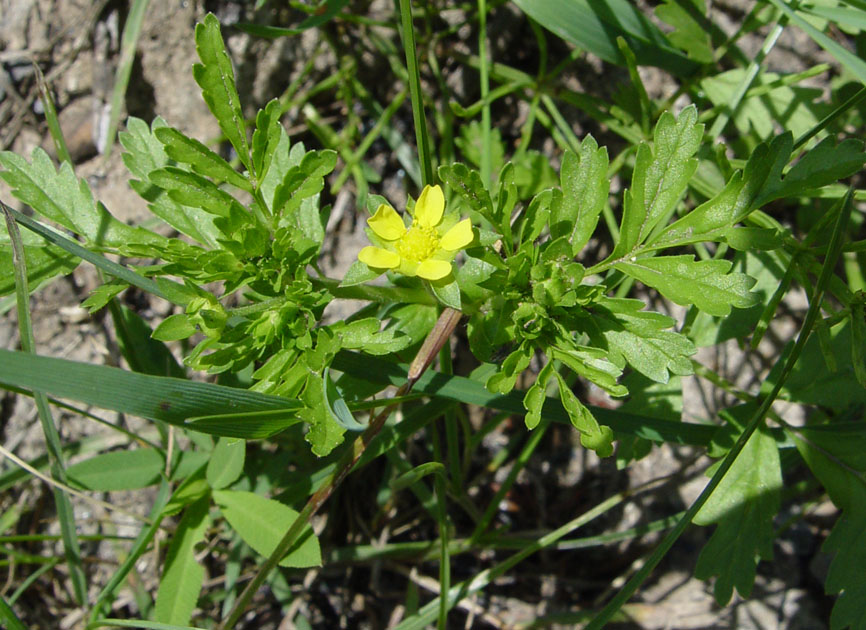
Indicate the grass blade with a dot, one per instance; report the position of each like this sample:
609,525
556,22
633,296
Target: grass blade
65,513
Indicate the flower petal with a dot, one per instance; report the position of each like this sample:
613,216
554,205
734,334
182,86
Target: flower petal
387,224
433,269
430,206
458,236
379,258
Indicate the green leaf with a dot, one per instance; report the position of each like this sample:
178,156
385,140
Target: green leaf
447,291
770,104
325,432
592,364
190,189
858,338
536,215
216,79
119,470
536,395
63,198
266,138
44,261
174,327
325,12
761,239
182,576
825,455
248,425
261,523
585,188
504,380
144,154
826,164
691,28
171,400
358,273
661,175
592,435
365,334
281,161
203,161
639,338
467,185
711,220
743,505
226,462
595,25
704,283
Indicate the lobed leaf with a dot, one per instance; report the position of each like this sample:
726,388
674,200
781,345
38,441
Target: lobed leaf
144,154
704,283
585,188
203,161
639,338
661,176
743,506
62,197
691,28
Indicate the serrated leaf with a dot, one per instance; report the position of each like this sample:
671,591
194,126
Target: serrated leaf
592,364
62,197
119,470
266,138
190,189
226,462
639,338
261,523
182,575
691,28
825,164
536,215
302,182
846,576
661,176
704,283
467,184
710,220
203,161
216,79
585,188
743,505
144,154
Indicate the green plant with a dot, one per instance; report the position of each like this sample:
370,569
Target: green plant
549,300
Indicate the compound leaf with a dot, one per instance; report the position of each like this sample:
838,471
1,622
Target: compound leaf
743,506
704,283
691,28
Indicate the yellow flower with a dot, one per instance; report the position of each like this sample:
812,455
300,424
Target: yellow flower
426,248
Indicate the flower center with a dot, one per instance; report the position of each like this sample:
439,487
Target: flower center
418,243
